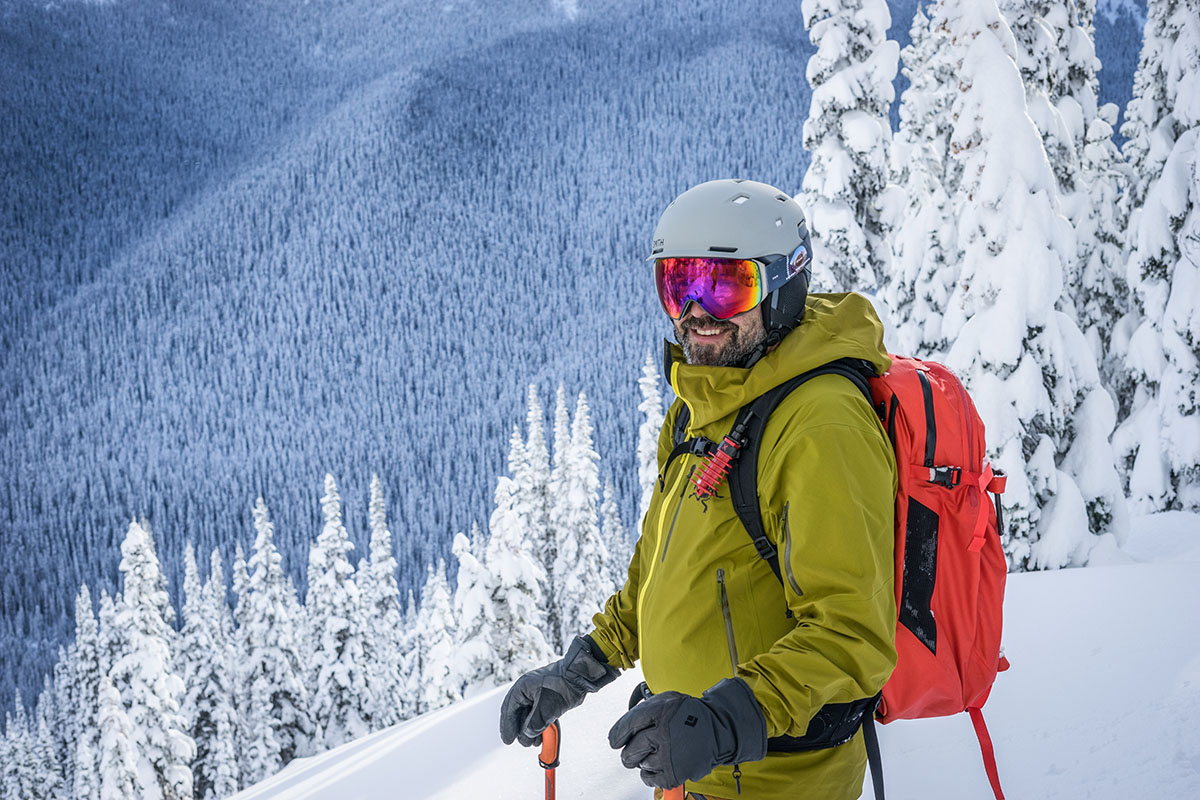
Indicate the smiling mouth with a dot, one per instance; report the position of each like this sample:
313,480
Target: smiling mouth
707,332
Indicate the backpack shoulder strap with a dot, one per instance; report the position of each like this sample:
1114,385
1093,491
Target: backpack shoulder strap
743,479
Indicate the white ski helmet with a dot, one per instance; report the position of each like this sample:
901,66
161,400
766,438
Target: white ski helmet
747,220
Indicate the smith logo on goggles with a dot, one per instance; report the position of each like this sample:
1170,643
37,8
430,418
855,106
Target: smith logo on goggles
724,287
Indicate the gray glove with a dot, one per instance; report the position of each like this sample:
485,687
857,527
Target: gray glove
673,737
543,695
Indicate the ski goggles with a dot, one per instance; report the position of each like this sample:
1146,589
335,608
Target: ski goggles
724,287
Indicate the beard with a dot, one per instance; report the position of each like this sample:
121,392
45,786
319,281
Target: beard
738,345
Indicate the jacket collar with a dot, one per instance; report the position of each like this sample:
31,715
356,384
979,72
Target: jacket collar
834,326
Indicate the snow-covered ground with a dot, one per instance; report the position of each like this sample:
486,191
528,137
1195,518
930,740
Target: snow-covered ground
1102,701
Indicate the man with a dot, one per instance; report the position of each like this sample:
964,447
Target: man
752,678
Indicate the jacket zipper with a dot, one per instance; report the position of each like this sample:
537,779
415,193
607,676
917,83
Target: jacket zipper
661,520
787,552
728,615
675,516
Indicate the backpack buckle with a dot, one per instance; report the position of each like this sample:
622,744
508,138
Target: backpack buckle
765,549
946,476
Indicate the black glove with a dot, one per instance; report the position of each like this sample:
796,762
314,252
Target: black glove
673,737
543,695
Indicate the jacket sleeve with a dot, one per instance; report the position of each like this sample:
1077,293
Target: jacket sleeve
616,631
828,480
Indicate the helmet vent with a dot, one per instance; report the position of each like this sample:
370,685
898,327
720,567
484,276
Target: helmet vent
781,198
741,198
779,223
716,249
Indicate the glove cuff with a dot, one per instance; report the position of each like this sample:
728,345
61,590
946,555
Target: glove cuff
733,702
585,667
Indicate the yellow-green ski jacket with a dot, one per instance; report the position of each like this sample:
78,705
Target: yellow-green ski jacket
700,604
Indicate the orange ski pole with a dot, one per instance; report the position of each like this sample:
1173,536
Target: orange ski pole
674,794
548,758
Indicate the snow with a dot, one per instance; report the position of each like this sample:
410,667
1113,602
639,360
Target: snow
1100,702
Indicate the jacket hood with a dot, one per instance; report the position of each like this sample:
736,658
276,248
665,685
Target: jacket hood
834,326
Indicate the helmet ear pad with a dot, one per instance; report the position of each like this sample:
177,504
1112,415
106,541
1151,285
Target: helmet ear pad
784,308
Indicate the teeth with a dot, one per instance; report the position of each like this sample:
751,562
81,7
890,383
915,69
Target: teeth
708,331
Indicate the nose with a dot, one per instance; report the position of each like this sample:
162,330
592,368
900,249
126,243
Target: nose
694,309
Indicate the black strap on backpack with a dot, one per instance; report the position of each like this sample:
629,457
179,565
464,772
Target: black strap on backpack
743,478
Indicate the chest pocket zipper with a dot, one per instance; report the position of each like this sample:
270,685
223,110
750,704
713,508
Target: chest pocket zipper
728,615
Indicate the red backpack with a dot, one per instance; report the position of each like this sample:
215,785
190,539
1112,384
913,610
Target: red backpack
950,567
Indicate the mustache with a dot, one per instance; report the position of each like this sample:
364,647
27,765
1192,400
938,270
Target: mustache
705,322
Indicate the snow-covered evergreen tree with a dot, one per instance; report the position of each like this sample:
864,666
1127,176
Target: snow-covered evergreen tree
1150,127
64,723
534,481
382,615
615,536
551,602
848,134
49,771
516,591
1159,441
112,641
87,777
925,255
145,674
88,675
652,421
475,663
583,580
1101,295
341,699
1027,365
206,664
435,636
20,768
120,777
409,664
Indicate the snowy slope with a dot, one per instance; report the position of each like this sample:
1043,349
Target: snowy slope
1101,702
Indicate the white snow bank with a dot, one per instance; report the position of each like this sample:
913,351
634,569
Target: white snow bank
1101,702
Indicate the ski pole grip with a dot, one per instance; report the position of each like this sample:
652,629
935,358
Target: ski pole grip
674,794
548,758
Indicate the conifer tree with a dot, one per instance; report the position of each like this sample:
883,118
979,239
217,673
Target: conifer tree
86,780
113,643
475,665
382,614
120,777
20,764
551,602
145,677
49,771
88,675
435,636
410,661
849,136
516,594
1157,440
616,538
206,667
925,256
341,700
534,481
582,572
64,723
648,433
1027,364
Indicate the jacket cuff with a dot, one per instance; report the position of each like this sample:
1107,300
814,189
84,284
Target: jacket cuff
586,667
734,703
